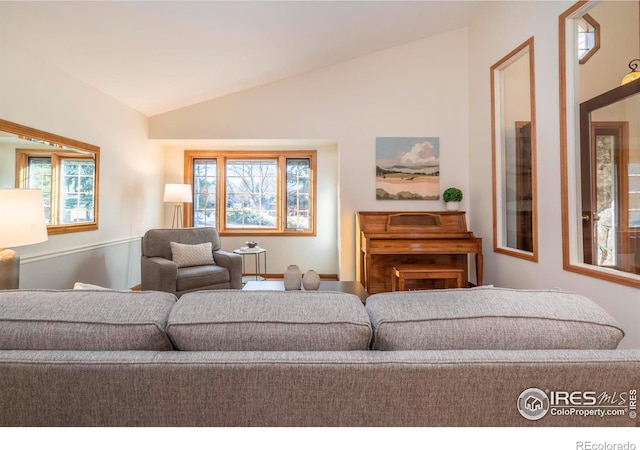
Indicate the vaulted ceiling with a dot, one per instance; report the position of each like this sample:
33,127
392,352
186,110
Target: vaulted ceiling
157,56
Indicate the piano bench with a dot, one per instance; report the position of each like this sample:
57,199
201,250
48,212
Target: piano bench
403,272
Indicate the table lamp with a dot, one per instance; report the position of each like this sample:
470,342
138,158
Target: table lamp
22,222
178,194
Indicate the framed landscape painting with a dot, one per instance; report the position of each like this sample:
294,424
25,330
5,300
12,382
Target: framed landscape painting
407,168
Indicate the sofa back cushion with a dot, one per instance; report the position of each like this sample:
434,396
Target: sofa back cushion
84,320
269,320
489,318
157,242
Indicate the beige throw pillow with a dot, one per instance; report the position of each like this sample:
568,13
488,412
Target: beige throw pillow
185,255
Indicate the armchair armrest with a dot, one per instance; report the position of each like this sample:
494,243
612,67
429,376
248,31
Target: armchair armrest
233,263
158,274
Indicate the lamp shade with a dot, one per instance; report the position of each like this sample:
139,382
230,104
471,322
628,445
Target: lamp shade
177,193
22,220
633,75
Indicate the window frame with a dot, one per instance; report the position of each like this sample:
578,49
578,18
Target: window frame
571,129
23,156
596,37
280,156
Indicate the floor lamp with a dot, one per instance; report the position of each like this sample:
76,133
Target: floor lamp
178,194
22,222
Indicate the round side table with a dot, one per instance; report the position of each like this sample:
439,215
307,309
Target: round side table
260,273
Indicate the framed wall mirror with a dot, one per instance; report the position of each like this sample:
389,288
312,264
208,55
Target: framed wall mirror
513,127
600,144
65,169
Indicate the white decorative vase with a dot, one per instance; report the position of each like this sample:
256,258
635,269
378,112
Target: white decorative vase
453,206
292,278
311,280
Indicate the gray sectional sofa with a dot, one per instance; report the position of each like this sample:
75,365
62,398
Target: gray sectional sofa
463,357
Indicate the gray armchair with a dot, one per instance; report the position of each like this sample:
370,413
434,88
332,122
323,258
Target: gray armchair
160,273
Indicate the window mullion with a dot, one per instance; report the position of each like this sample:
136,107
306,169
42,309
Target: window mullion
282,193
221,200
55,189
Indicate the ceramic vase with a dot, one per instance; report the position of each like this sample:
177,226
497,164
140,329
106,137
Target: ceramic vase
453,206
311,280
292,278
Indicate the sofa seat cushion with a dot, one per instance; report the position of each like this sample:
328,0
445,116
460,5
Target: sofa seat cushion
84,320
489,318
269,320
196,277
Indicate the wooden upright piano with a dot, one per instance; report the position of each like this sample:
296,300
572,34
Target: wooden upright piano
389,238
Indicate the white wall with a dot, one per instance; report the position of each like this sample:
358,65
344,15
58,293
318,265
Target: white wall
131,173
492,35
418,89
7,164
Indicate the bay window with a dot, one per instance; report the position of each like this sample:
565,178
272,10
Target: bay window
253,193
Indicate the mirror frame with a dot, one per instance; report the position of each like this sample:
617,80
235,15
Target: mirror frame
571,206
497,154
24,131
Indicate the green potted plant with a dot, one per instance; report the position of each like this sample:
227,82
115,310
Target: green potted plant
452,197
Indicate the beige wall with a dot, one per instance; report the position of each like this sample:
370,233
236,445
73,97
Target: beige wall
7,164
418,89
131,174
606,67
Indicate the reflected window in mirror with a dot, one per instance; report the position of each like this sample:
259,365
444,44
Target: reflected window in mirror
514,154
600,146
67,181
65,169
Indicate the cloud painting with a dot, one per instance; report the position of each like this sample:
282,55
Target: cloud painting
407,168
